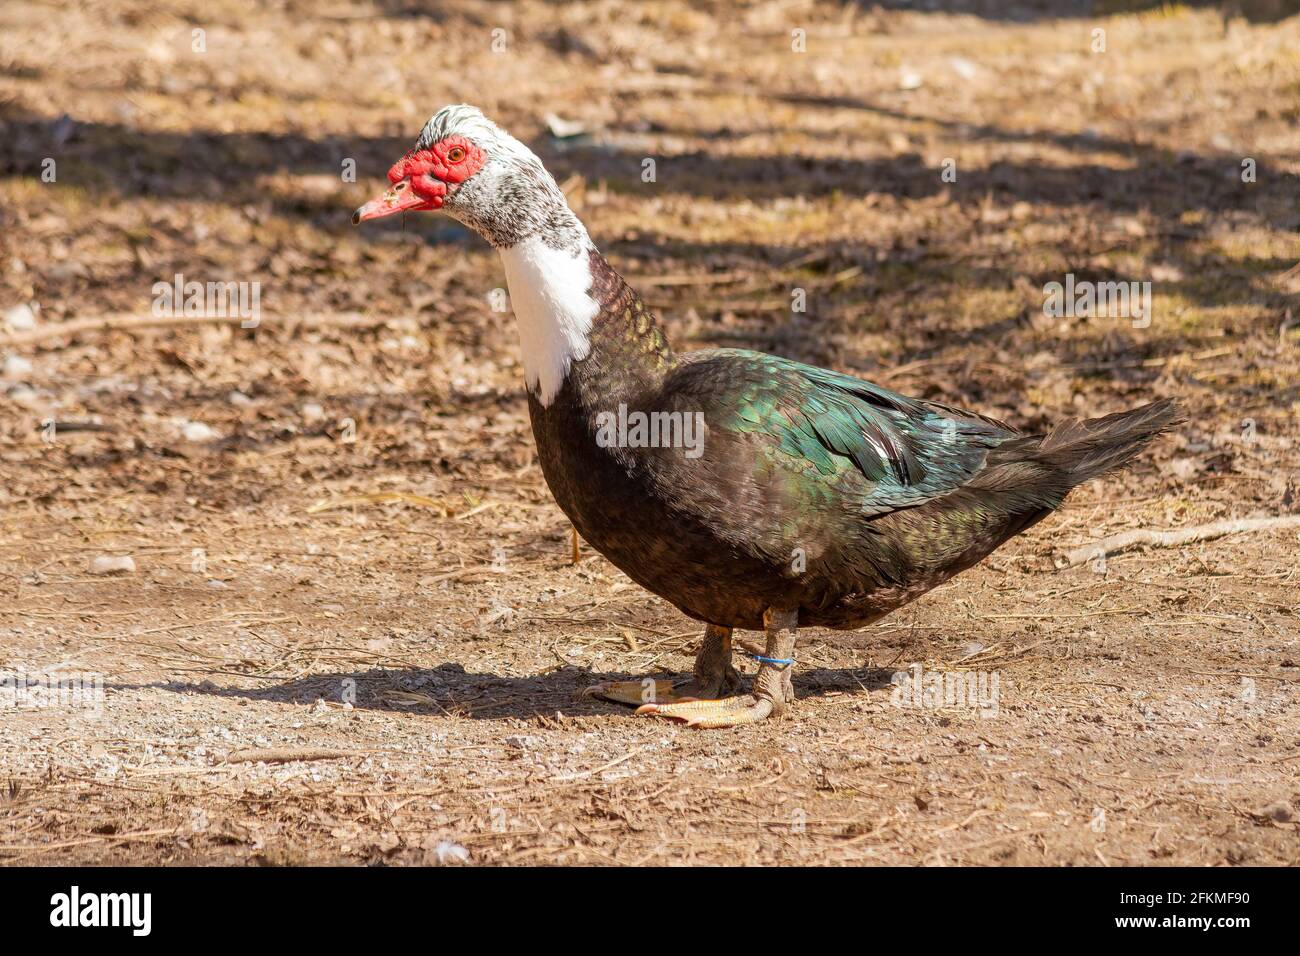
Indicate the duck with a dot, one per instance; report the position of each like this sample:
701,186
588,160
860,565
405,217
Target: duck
748,490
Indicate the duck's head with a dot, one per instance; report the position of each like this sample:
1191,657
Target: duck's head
468,167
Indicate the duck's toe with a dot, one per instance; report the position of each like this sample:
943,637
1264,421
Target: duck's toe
727,712
635,693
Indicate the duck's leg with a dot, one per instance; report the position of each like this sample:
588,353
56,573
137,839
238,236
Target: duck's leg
773,688
714,677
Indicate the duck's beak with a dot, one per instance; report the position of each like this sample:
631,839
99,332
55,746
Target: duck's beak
401,198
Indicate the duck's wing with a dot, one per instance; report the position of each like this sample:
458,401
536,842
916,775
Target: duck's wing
825,427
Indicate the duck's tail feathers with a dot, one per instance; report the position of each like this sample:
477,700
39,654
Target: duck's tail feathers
1087,449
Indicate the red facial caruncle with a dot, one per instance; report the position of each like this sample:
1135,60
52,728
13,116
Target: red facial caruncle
421,178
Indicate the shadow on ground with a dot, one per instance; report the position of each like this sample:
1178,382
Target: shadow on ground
450,690
121,161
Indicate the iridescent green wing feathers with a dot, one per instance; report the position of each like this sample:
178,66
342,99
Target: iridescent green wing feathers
825,424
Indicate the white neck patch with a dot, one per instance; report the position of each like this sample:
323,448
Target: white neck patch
554,313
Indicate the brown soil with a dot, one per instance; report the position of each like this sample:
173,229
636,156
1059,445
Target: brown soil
1147,710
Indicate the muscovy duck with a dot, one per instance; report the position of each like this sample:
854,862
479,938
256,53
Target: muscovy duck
748,490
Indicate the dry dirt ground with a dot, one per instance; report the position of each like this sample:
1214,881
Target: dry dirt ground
426,653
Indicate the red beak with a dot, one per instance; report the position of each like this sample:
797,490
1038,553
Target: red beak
393,201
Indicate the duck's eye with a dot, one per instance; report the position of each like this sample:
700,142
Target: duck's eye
400,186
456,154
